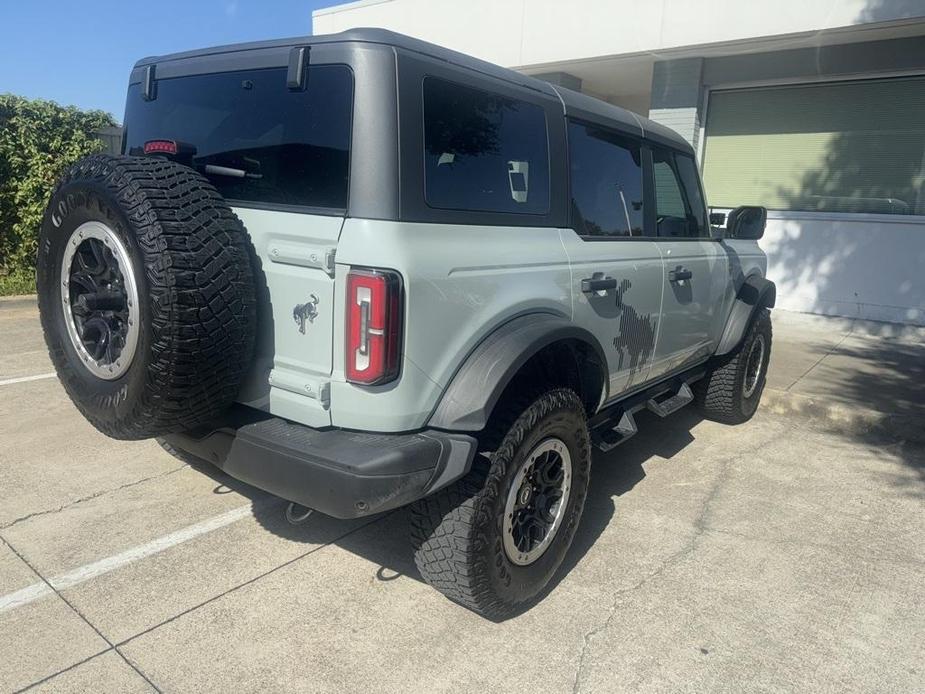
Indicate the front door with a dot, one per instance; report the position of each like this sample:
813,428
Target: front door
695,281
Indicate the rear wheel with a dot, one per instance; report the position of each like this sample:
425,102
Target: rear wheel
493,540
731,391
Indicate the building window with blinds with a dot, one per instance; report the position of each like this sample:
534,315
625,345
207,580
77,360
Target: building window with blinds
855,147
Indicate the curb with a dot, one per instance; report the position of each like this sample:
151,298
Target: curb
18,301
844,419
18,297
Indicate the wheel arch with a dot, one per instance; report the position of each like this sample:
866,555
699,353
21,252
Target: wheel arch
541,346
755,293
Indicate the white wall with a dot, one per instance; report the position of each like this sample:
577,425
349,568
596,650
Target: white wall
861,266
517,33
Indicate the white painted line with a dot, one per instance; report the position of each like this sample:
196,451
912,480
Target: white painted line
24,596
103,566
25,379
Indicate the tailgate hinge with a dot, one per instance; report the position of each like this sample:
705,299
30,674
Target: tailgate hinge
289,253
303,385
329,261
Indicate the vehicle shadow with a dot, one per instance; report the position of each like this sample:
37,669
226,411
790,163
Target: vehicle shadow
617,472
384,540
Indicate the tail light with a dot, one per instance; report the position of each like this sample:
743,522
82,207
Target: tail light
374,324
160,147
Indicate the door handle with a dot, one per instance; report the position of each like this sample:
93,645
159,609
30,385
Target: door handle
678,274
589,285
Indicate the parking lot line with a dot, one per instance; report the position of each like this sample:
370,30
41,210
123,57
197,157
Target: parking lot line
25,379
24,596
87,572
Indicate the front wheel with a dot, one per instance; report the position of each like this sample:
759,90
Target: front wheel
493,540
731,391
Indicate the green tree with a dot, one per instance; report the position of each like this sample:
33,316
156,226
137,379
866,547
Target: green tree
38,139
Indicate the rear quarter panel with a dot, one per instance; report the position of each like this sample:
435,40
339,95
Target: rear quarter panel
461,282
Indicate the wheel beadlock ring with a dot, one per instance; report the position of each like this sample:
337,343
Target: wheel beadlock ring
100,300
536,502
753,366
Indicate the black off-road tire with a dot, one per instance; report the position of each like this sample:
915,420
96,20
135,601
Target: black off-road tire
457,532
721,394
190,258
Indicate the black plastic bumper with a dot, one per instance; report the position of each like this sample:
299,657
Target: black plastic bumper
345,474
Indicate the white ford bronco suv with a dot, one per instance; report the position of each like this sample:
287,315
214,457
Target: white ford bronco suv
361,271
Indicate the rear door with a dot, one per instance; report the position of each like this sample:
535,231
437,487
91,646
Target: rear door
279,155
616,274
695,280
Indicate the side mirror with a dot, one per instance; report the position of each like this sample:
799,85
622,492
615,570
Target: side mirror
717,219
747,222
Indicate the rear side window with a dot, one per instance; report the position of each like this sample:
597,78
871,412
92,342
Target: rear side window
606,182
483,151
256,141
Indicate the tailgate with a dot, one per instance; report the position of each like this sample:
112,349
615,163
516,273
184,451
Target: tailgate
292,370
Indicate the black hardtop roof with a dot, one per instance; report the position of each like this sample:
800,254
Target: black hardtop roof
572,101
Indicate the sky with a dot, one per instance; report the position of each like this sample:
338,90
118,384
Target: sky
81,52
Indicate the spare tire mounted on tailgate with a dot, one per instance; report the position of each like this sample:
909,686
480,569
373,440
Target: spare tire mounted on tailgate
147,295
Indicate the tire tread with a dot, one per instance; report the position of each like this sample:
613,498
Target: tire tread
449,529
718,393
201,297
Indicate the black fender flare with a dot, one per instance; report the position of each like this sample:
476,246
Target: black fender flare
755,293
475,389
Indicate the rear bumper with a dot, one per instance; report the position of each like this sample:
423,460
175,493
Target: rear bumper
345,474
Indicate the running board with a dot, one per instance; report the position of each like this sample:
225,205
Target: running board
614,424
670,405
611,438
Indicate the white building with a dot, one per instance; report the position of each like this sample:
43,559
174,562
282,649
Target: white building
812,108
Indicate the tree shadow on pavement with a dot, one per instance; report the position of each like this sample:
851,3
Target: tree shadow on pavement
875,374
890,376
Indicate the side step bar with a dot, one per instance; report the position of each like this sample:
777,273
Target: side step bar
671,404
615,424
606,439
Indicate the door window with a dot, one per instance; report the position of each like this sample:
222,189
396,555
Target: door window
674,216
606,182
690,180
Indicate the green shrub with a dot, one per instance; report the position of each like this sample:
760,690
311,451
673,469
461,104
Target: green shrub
38,139
17,282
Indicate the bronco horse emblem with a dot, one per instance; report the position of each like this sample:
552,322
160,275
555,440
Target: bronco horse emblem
305,312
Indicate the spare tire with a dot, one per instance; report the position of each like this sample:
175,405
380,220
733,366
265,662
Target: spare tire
146,294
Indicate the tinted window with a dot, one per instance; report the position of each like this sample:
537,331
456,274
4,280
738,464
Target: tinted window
483,151
691,182
671,210
606,181
287,147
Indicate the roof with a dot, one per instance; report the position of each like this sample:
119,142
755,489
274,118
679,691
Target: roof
571,100
579,104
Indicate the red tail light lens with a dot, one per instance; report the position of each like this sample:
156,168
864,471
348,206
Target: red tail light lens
374,318
160,147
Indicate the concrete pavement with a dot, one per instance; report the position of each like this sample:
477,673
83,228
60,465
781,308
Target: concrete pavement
780,555
858,377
